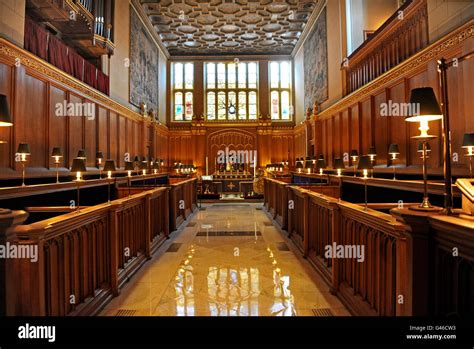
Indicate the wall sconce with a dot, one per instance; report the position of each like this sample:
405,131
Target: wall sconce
78,166
372,154
57,154
425,98
365,165
22,153
109,167
393,151
129,168
354,156
5,117
99,158
468,143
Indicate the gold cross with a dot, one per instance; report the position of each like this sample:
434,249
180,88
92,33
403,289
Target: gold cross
231,186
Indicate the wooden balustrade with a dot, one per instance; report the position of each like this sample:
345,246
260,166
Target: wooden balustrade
277,200
371,286
85,257
183,201
298,217
396,40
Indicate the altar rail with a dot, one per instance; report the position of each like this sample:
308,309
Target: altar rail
84,257
183,201
396,40
408,266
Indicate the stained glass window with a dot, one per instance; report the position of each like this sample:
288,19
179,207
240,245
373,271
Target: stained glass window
183,85
280,90
235,88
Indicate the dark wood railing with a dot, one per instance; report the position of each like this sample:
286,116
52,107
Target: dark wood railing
408,265
400,37
183,201
84,257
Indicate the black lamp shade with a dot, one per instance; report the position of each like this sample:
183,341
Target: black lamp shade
78,165
299,164
321,156
393,149
364,163
109,166
129,166
429,107
338,164
5,117
156,165
420,147
372,151
354,152
99,155
81,154
308,164
57,152
468,140
137,159
23,148
320,164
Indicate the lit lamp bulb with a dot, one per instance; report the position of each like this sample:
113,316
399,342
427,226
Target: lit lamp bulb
78,167
320,171
366,172
338,164
426,109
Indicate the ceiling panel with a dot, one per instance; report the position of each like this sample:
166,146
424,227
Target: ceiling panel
223,27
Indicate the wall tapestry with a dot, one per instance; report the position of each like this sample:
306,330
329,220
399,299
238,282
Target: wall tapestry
143,65
316,63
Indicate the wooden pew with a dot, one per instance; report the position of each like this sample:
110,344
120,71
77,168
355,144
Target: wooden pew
84,257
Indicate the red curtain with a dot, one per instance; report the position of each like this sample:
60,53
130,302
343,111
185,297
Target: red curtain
58,54
90,74
103,83
36,39
50,48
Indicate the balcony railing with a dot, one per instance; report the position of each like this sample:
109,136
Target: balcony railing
401,36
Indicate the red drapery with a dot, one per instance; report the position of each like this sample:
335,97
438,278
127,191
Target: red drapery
50,48
36,39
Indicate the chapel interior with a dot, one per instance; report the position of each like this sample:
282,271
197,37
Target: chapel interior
236,158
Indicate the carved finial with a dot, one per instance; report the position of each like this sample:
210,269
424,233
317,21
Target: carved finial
315,109
309,112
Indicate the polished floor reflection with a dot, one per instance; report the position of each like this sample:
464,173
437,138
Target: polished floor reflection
228,262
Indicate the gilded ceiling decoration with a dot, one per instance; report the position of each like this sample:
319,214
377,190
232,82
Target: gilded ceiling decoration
227,27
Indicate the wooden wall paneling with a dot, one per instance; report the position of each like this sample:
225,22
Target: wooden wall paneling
57,124
90,138
6,88
122,135
114,140
398,125
346,132
31,100
459,105
337,138
324,138
381,133
75,132
366,125
102,131
355,127
330,140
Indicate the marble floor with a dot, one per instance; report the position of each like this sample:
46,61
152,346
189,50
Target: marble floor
227,260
